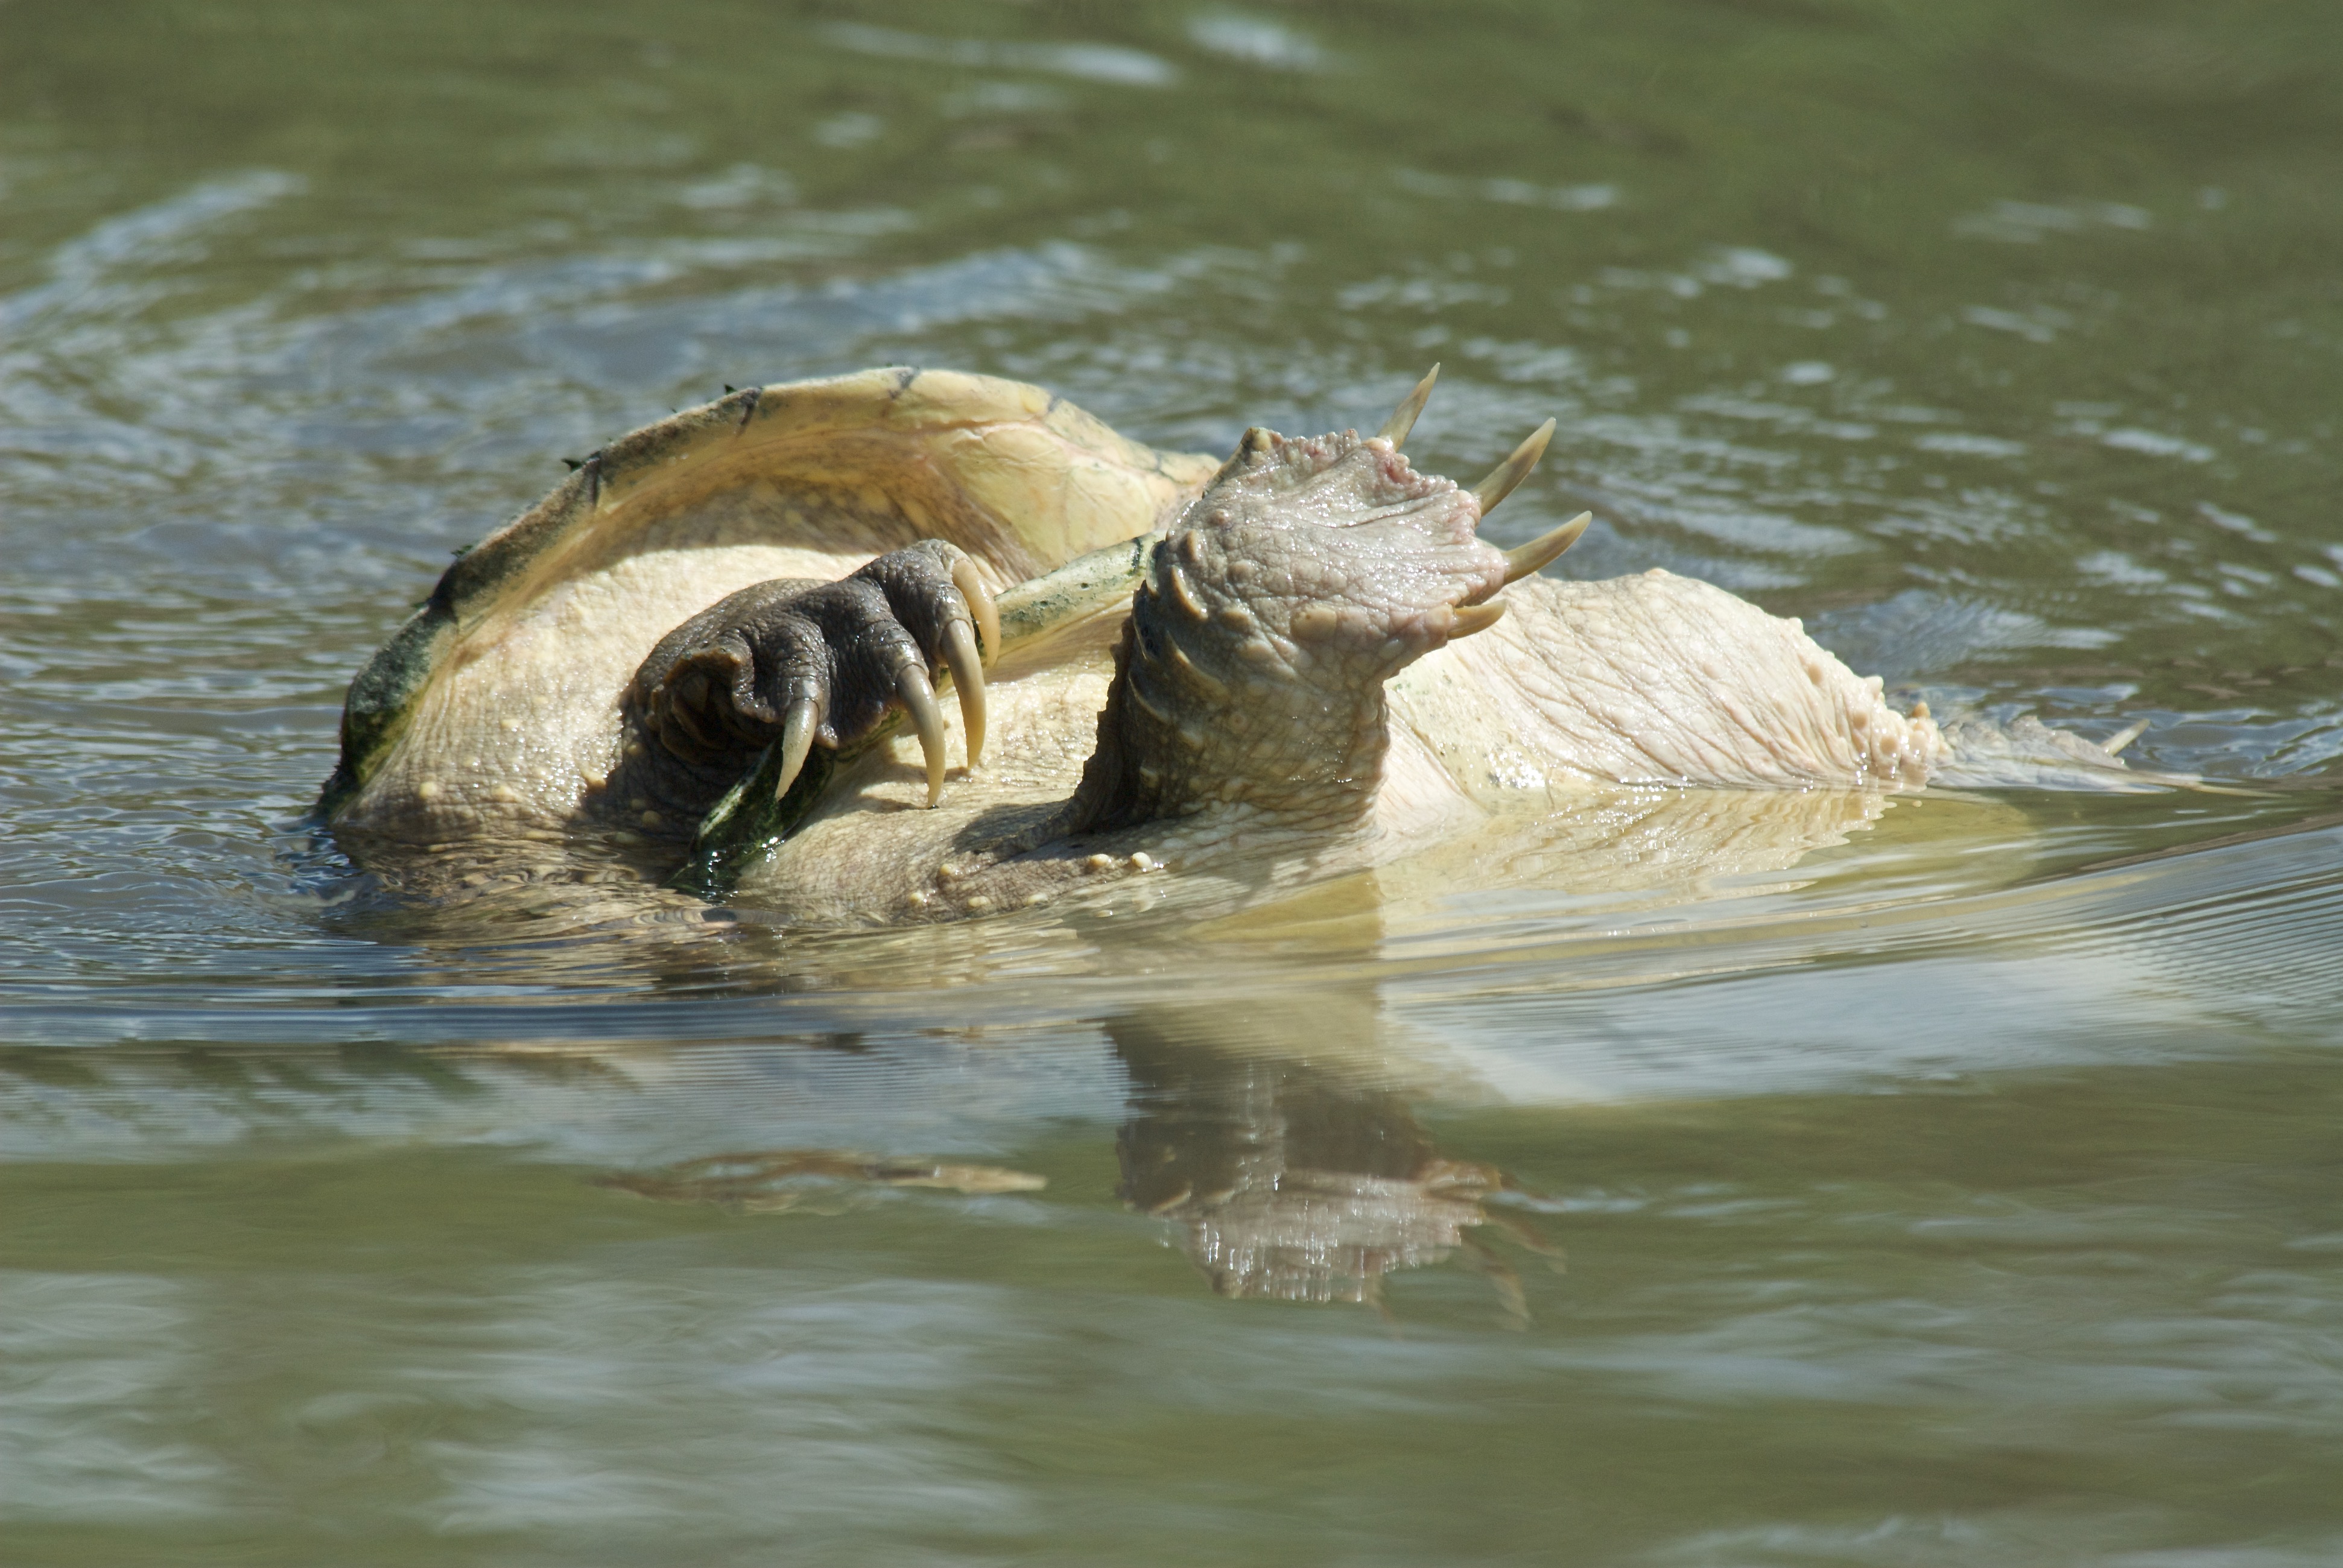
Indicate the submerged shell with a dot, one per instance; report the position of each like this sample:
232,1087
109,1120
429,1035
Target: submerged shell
534,631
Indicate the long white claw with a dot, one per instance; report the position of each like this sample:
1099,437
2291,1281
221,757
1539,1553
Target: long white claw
796,738
1545,550
2123,738
979,605
1513,469
920,698
1473,618
1402,419
968,679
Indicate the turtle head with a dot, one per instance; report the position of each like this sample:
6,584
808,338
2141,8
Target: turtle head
1308,573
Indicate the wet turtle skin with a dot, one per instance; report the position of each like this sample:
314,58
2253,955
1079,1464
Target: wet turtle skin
700,651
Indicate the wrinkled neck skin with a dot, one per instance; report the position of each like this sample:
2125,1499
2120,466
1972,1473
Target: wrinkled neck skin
1250,676
1208,717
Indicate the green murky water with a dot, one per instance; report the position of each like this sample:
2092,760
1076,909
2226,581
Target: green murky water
1965,1191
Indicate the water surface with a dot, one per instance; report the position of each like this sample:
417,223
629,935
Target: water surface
1958,1190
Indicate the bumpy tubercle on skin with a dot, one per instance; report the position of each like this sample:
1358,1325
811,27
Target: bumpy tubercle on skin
1249,673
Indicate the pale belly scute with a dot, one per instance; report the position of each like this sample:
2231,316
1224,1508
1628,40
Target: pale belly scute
524,719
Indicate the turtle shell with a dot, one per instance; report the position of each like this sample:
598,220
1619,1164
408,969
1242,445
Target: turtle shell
498,696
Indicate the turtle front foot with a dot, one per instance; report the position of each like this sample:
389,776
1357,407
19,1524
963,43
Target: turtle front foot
798,664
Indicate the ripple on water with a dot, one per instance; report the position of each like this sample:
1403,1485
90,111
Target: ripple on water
1940,1185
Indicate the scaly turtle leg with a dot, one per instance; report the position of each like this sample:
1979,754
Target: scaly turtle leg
783,671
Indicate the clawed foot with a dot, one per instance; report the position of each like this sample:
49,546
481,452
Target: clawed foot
801,664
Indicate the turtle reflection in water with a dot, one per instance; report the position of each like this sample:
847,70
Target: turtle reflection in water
688,666
1280,1179
1288,1181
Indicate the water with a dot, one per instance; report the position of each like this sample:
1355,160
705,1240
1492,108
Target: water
1959,1193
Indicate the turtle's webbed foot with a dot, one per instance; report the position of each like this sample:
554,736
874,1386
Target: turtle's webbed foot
800,664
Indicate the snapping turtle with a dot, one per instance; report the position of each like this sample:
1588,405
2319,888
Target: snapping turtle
696,655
